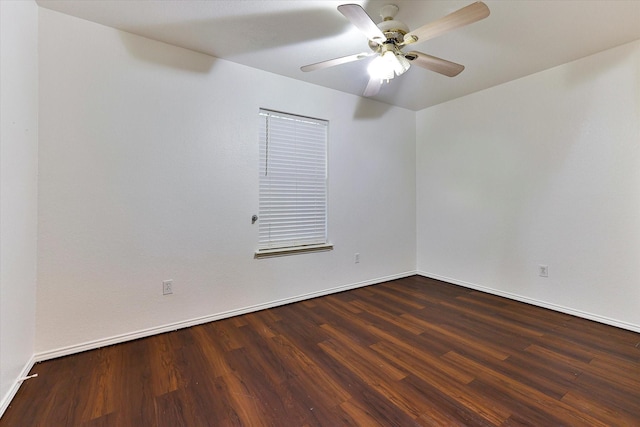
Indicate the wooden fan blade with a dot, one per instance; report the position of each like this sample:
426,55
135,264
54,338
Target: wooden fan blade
442,66
467,15
358,17
336,61
373,87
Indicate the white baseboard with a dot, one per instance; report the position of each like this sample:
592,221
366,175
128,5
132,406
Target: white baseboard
539,303
103,342
91,345
8,397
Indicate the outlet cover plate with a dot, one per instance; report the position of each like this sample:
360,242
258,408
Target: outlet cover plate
167,287
543,270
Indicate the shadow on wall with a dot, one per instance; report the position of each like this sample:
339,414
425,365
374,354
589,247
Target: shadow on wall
198,54
587,70
234,35
370,109
157,53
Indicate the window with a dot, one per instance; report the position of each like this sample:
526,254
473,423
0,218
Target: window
292,211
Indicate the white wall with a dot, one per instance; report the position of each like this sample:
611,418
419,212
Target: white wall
149,171
18,190
542,170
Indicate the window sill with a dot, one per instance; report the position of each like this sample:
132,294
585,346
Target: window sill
268,253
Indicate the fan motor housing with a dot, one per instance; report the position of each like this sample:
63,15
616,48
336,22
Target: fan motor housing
393,30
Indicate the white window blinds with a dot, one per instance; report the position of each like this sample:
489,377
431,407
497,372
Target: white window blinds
293,181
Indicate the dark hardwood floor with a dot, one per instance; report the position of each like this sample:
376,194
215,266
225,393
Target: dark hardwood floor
411,352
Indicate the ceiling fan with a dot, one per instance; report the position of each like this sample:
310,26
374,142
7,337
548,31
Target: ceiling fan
389,37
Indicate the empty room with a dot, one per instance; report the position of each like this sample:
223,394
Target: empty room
319,213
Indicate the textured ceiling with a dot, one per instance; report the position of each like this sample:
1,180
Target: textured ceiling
520,37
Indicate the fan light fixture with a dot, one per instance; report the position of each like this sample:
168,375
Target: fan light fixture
388,65
389,37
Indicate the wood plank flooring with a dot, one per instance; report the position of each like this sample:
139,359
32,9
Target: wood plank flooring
411,352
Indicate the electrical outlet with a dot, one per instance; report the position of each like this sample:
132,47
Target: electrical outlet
356,258
543,270
167,287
